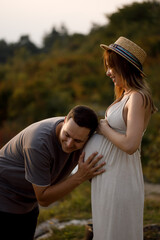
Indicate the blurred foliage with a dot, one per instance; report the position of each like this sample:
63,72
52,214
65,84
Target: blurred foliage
41,82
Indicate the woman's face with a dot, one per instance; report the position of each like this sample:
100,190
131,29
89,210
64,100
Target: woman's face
114,75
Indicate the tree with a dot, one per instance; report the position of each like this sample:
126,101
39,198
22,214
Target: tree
25,42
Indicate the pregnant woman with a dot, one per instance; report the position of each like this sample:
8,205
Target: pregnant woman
118,194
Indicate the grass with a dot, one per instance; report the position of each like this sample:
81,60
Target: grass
151,212
77,205
68,233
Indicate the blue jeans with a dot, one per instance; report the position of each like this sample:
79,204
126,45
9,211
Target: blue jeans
18,226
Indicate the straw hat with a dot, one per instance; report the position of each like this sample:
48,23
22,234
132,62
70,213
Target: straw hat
129,50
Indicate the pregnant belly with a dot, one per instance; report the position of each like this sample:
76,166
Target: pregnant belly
98,143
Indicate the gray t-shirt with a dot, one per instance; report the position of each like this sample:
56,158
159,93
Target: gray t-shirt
32,156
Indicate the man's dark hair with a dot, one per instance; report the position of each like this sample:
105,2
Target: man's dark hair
84,117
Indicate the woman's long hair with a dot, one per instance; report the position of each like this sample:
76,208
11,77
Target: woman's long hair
131,77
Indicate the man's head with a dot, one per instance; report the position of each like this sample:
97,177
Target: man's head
80,123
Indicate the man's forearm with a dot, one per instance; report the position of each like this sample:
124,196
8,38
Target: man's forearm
86,170
50,194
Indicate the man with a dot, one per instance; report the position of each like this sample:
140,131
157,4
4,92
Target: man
35,166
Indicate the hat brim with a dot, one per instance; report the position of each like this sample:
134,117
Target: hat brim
105,47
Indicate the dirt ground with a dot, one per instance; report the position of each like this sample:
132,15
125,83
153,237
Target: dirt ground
152,191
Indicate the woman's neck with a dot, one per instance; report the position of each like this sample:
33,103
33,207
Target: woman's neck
127,91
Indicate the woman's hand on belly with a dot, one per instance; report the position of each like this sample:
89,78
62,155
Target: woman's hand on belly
102,127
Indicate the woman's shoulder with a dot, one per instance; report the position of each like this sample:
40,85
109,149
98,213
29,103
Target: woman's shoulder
137,99
140,99
137,96
137,93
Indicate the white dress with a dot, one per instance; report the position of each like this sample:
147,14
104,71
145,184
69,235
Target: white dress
118,194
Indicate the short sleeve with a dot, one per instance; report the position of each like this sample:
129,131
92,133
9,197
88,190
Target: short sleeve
37,167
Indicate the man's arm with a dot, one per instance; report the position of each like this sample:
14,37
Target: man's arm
86,171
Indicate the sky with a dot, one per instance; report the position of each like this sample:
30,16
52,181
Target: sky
36,18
